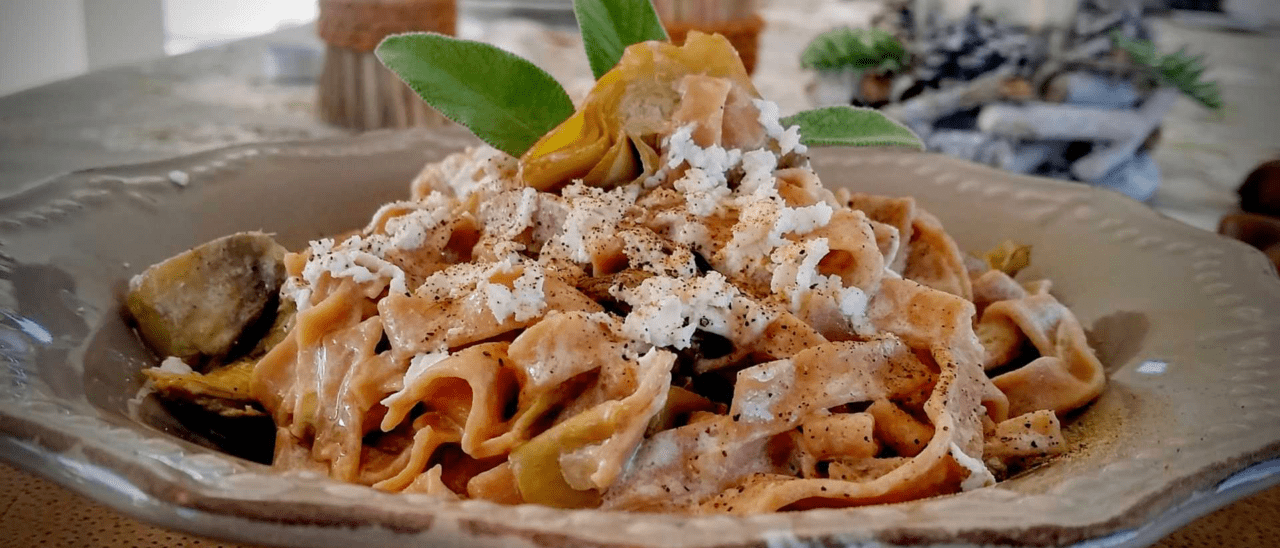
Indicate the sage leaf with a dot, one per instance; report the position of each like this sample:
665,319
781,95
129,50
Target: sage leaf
503,99
609,26
851,126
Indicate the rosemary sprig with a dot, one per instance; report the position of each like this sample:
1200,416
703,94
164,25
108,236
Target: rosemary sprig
862,49
1179,69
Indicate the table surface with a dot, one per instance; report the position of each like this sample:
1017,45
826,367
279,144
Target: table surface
221,96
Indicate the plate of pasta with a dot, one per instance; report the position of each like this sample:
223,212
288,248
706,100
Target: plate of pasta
672,319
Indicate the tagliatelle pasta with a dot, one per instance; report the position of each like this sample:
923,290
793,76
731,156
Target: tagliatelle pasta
661,308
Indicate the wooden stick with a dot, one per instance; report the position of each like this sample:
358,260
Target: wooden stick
351,90
396,99
372,102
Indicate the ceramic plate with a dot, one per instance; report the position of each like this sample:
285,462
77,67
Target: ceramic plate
1185,322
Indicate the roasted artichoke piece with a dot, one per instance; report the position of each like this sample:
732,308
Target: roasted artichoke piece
1008,257
224,391
197,304
613,137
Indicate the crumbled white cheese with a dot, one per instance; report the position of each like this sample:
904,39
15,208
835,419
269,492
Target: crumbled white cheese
593,218
523,301
683,228
789,141
528,205
483,170
410,231
803,220
713,160
788,138
454,282
795,272
409,225
508,214
758,181
649,252
353,259
658,177
979,475
768,117
703,192
853,305
296,290
761,227
175,365
525,298
796,278
666,311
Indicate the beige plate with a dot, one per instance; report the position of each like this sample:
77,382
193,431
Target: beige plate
1185,321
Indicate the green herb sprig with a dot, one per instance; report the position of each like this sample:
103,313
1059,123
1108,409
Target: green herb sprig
859,49
504,99
609,26
1179,69
510,103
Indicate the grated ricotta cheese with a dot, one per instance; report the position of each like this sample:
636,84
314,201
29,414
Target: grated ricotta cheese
715,160
480,170
703,192
768,117
758,182
979,475
593,218
523,301
761,227
666,311
796,278
353,259
174,364
788,138
647,251
796,274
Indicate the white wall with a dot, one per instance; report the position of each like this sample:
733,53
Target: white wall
40,41
123,31
193,24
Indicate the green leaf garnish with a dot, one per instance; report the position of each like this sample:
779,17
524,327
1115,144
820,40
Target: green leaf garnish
609,26
851,126
860,49
1180,69
503,99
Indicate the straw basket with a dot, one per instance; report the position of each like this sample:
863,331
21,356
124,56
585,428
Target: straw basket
356,91
737,20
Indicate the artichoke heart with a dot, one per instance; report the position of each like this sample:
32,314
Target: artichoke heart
224,391
197,304
613,138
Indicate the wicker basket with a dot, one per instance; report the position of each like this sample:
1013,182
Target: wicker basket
735,19
355,90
